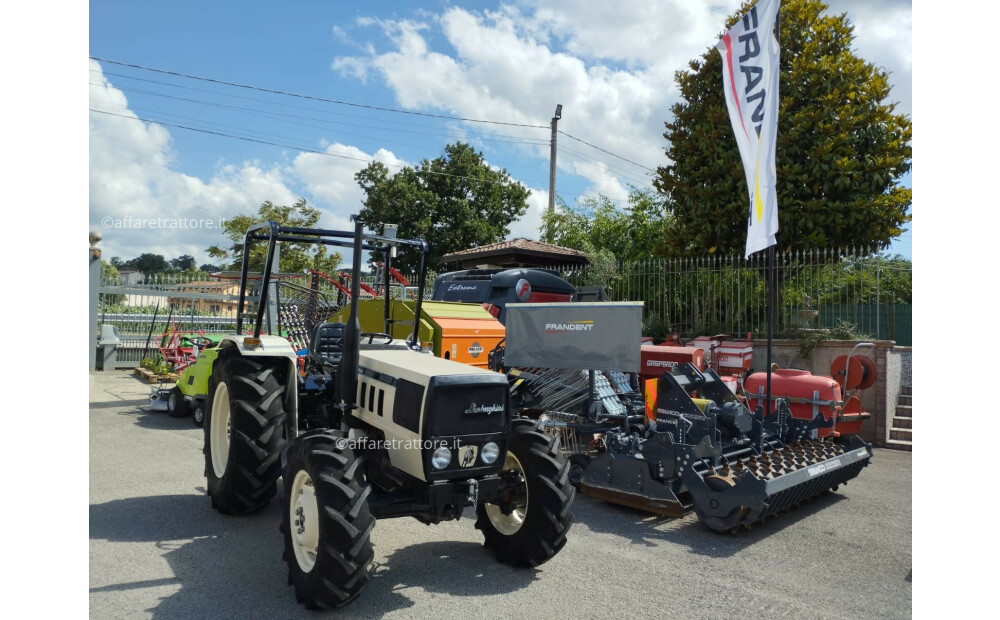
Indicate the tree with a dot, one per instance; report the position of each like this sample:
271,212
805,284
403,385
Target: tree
295,257
148,263
110,277
454,202
634,233
209,268
183,262
841,147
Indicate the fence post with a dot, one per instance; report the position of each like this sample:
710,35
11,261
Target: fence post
878,297
94,254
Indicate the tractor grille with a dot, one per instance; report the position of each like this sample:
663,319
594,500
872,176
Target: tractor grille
466,410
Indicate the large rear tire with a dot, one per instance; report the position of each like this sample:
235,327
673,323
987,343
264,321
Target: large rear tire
532,529
244,433
325,522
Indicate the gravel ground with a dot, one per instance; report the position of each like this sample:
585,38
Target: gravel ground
158,550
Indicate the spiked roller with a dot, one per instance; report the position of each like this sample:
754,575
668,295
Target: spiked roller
705,451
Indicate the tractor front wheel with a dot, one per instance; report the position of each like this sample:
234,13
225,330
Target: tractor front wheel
527,526
177,407
198,413
325,521
244,433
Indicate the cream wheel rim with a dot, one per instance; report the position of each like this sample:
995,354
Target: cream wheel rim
303,521
509,524
219,439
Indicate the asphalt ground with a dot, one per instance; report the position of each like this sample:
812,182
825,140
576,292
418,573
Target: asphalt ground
158,550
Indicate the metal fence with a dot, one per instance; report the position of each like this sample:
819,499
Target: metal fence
858,291
143,308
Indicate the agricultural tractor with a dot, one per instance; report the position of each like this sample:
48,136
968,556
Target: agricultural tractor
367,426
189,395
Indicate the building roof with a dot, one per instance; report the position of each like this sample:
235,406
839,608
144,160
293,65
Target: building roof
518,252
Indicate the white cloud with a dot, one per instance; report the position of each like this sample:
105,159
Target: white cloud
530,224
611,66
500,74
330,179
142,204
883,34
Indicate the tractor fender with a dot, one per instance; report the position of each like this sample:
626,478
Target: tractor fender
270,347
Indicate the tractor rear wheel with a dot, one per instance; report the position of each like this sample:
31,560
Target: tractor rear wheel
325,522
244,433
177,407
527,526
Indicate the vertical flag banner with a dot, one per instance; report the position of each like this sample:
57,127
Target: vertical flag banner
750,77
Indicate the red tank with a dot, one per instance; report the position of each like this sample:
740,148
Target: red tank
808,395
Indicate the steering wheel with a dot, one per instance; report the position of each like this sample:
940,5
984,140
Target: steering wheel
200,341
372,335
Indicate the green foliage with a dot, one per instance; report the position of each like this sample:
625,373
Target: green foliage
878,278
842,330
658,330
295,257
184,262
634,233
110,277
840,151
145,263
109,274
453,202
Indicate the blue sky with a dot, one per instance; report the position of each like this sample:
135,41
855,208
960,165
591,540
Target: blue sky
610,65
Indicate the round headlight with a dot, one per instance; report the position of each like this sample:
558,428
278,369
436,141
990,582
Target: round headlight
441,458
490,452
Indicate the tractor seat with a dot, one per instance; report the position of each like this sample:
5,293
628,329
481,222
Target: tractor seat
326,342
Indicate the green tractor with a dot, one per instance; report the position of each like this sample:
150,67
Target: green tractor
189,394
366,427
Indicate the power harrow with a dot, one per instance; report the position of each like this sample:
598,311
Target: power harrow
698,448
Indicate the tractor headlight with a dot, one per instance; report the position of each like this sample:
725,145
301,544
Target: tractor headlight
441,458
490,452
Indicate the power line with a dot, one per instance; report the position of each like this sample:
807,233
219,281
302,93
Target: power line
515,139
593,146
314,98
212,127
498,138
289,146
359,105
620,172
282,117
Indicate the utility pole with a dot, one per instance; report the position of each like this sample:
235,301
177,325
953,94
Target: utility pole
552,160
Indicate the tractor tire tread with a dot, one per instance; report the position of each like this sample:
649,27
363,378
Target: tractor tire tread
345,549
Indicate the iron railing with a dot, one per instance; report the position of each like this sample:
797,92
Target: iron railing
856,291
864,292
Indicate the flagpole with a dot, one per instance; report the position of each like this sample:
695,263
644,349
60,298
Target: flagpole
771,288
770,320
